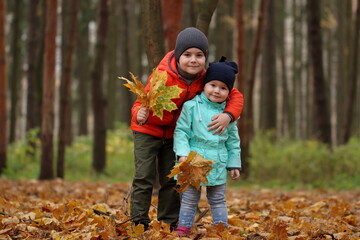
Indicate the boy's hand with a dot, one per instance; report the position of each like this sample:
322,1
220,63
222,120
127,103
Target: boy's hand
235,174
219,122
142,115
182,159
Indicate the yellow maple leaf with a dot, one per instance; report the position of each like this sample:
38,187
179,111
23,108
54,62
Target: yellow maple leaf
159,97
136,87
136,231
193,171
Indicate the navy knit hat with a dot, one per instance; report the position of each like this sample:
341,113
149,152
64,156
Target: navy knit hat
191,38
222,71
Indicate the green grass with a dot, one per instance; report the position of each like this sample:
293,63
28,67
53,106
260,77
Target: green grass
280,163
308,164
78,159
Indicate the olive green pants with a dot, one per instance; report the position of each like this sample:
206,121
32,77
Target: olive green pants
153,155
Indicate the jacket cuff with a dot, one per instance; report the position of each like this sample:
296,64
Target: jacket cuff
233,168
230,115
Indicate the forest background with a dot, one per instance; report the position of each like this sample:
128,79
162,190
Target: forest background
64,113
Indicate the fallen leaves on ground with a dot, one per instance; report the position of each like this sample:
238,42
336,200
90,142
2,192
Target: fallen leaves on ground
63,210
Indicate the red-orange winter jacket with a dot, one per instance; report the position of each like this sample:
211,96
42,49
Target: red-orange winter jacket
165,128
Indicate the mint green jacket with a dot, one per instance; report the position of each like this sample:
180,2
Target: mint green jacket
191,134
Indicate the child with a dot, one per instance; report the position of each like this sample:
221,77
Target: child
191,134
153,137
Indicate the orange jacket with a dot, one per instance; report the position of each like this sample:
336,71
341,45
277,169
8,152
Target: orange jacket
165,128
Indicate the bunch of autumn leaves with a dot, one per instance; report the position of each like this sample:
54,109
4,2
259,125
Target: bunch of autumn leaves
194,170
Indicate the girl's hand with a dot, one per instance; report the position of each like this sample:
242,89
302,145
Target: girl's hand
182,159
219,122
235,174
142,115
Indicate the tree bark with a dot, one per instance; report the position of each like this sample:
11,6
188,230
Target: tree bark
205,14
268,85
98,99
171,17
322,113
254,61
70,8
3,87
153,32
47,124
243,123
15,70
111,70
83,61
126,66
33,91
350,107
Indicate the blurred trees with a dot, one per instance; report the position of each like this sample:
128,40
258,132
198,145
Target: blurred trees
3,86
48,94
298,65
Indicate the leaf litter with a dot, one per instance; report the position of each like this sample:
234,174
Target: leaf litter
61,210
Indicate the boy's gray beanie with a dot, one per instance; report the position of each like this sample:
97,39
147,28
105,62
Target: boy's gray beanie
191,38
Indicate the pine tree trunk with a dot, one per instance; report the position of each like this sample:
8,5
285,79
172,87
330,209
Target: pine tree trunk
224,30
111,81
47,124
70,8
254,61
205,14
171,17
15,70
3,87
152,31
98,99
243,123
268,84
125,40
33,94
322,114
83,62
350,107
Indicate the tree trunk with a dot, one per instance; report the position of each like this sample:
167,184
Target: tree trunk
98,99
47,124
205,14
153,32
125,44
111,81
284,107
70,8
350,107
268,83
3,87
33,91
15,69
243,123
224,31
83,61
171,17
254,61
321,102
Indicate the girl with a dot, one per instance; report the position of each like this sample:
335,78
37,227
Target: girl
191,134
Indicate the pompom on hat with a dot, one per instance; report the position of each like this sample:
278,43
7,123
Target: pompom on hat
222,71
190,38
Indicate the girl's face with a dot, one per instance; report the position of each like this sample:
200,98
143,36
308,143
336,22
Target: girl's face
216,91
192,61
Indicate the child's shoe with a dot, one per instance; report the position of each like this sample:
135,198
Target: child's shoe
183,231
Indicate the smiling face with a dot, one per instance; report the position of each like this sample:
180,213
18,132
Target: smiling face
192,61
216,91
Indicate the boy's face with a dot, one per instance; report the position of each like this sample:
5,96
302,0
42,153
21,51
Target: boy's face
192,61
216,91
